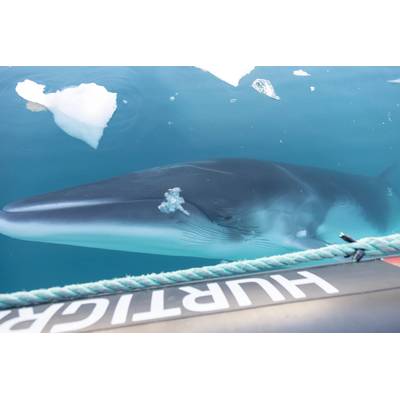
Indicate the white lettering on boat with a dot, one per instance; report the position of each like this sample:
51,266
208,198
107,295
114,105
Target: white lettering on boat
161,304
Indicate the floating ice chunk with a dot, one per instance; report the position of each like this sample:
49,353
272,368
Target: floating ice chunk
82,111
394,81
173,202
31,91
312,88
125,101
301,72
172,98
232,100
264,86
231,74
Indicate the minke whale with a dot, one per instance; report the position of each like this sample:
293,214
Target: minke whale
227,209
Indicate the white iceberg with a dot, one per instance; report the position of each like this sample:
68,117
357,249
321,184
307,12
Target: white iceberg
82,111
264,86
173,202
394,81
301,72
231,74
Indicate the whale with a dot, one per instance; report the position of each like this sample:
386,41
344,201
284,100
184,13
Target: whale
217,209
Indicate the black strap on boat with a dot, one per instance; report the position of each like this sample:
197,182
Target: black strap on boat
358,254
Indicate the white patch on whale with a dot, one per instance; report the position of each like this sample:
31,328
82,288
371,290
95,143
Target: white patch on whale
82,111
302,233
173,202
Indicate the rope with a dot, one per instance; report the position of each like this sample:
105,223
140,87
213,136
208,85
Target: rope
373,246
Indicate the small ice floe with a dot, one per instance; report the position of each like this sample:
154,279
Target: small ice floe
394,81
389,191
389,116
232,101
172,98
230,74
125,101
264,86
173,202
82,111
301,72
312,88
170,123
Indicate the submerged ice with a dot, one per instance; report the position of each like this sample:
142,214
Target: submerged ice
82,112
264,86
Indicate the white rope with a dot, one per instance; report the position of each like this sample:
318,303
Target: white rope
373,246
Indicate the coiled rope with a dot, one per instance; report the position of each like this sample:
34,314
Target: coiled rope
373,246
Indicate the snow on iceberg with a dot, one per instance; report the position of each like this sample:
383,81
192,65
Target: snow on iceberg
82,111
231,74
264,86
301,72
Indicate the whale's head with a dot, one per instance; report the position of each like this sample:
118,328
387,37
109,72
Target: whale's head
119,214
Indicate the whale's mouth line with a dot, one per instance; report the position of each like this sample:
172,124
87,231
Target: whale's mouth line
15,209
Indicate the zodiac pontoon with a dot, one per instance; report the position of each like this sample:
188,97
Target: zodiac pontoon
344,297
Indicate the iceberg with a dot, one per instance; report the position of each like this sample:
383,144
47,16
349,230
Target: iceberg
264,86
230,74
394,81
301,72
82,112
173,202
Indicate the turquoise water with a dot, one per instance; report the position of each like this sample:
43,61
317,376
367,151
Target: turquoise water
350,123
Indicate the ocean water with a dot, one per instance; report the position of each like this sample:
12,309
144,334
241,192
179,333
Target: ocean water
349,123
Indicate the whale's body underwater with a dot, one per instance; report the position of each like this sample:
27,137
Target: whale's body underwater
234,208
